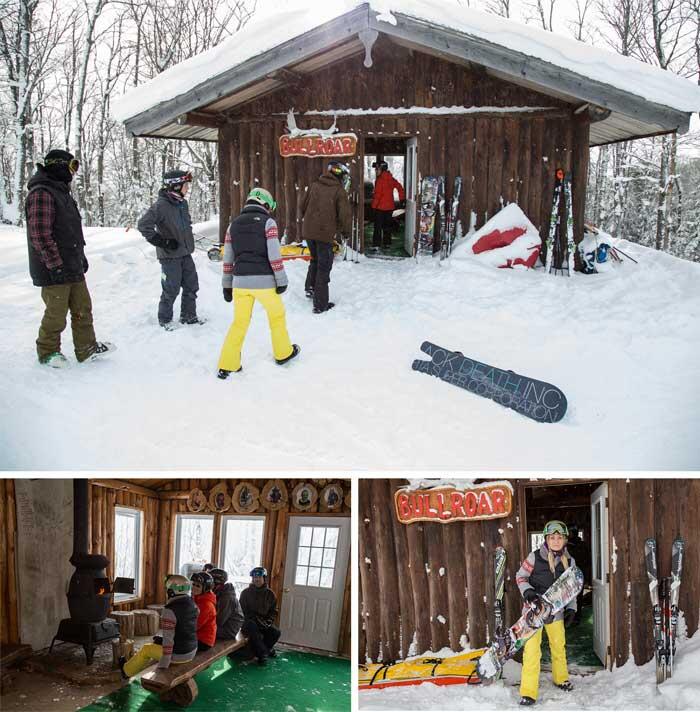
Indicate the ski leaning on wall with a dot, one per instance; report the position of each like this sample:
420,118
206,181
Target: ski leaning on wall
505,646
555,260
664,595
534,399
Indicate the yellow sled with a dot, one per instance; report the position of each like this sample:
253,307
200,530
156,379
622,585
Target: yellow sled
298,251
456,670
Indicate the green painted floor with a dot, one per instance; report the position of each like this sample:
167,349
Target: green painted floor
579,642
291,682
397,248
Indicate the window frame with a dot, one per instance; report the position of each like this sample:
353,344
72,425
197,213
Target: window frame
222,534
179,517
138,515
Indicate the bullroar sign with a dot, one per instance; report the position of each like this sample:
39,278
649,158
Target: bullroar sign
316,146
450,504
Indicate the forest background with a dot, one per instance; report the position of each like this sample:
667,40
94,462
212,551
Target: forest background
63,63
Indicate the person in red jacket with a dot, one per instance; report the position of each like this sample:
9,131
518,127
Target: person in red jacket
383,203
202,585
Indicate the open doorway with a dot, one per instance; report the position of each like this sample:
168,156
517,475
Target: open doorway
395,240
582,507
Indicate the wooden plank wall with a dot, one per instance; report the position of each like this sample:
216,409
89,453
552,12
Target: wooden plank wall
501,157
658,508
413,578
9,599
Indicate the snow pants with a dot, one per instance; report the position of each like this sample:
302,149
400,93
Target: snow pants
383,220
176,274
59,300
148,654
243,302
260,640
530,680
319,273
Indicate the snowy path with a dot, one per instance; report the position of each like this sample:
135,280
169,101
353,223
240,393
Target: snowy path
630,687
623,346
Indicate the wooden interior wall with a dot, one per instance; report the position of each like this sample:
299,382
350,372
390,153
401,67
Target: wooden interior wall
413,577
508,157
639,509
9,609
274,543
103,500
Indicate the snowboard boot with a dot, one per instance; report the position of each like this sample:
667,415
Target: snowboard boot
101,348
167,325
223,374
122,662
192,320
54,360
527,701
295,352
309,293
566,686
318,310
272,653
262,661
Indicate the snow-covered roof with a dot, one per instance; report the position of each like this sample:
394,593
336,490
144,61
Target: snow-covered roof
534,57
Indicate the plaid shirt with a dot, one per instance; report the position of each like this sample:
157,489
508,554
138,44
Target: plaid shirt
40,216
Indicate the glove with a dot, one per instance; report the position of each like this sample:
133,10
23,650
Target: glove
57,275
281,290
569,615
158,639
531,596
228,294
171,243
402,203
85,265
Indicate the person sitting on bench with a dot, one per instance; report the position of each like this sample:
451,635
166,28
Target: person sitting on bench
259,606
178,622
229,616
202,585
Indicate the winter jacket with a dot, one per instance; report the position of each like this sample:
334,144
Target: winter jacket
54,232
206,622
259,605
252,256
229,616
384,191
178,621
325,210
168,218
535,573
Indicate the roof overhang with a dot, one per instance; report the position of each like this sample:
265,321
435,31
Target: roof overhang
200,112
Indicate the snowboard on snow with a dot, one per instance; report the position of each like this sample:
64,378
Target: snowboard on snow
507,644
534,399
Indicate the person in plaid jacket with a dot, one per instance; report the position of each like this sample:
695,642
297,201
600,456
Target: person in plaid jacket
57,261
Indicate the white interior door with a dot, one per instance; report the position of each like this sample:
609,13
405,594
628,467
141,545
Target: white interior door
411,190
314,581
600,577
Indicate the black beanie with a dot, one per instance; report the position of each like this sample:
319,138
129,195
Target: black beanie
58,171
56,154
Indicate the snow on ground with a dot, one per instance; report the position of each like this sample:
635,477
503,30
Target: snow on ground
630,687
623,347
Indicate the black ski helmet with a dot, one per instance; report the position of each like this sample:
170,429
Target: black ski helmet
174,180
204,579
381,164
259,571
220,576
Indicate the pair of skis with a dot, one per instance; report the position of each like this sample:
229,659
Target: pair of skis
555,260
437,226
664,595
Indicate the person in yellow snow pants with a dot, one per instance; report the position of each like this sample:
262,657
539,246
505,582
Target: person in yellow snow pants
243,302
530,680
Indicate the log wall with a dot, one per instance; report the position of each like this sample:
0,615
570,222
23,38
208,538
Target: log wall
501,157
438,574
9,608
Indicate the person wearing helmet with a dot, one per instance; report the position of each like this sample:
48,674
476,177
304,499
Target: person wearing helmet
229,616
383,203
259,605
167,225
536,574
254,271
178,623
325,212
202,585
57,261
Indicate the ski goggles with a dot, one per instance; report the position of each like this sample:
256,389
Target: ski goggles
187,178
73,164
555,527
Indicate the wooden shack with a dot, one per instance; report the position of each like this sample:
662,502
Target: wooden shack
413,576
423,84
149,528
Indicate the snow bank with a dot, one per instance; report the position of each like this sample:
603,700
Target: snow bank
263,33
623,346
630,687
508,239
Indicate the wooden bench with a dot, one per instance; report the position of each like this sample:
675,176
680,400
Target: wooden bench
176,683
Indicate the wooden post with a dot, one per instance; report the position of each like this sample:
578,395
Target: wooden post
619,526
581,160
474,556
453,541
368,577
419,583
437,585
225,182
